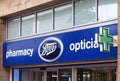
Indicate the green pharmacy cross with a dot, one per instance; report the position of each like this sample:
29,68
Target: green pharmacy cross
104,39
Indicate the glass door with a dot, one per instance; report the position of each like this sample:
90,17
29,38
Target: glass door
83,75
38,76
52,76
99,76
96,74
44,75
65,75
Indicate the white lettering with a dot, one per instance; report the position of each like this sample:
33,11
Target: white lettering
77,46
88,45
83,44
72,46
17,53
48,48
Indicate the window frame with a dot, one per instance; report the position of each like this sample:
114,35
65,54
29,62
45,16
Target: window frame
62,5
34,28
7,28
49,9
53,20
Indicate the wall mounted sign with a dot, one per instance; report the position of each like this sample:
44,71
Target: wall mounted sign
72,46
104,39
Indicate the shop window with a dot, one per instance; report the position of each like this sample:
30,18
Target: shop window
83,75
21,75
52,76
16,75
28,25
65,75
96,74
63,17
24,75
38,76
85,11
107,9
13,28
44,21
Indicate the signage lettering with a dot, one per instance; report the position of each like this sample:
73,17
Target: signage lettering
48,48
73,46
83,44
17,53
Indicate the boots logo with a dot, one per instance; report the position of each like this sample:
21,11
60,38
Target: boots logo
50,49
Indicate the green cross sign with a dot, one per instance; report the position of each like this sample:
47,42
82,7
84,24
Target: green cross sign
104,39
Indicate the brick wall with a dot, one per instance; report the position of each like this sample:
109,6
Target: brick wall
4,71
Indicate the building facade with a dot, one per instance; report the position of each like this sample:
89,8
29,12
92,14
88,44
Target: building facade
59,40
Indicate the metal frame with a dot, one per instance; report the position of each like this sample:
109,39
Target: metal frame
96,1
73,13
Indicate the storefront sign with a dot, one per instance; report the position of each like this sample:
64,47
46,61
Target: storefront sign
73,46
105,39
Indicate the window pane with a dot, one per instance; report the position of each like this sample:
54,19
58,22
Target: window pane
24,75
107,9
16,75
85,11
44,21
28,25
65,75
13,28
63,17
38,76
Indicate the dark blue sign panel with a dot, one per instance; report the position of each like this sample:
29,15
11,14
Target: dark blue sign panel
73,46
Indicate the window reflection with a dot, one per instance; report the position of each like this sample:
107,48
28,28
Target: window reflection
107,10
63,17
14,28
65,75
85,11
44,21
78,13
28,25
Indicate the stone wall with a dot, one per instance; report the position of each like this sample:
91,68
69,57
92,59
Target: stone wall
11,6
4,71
118,68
